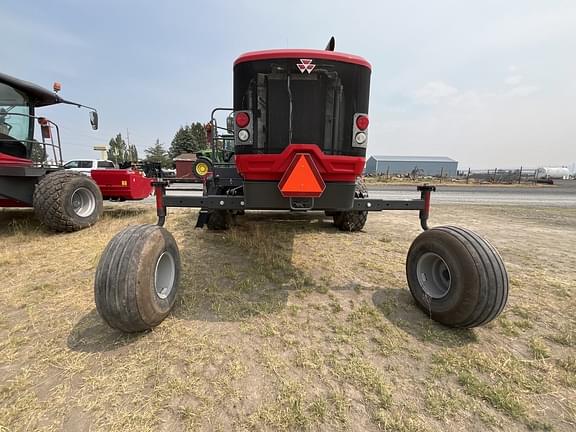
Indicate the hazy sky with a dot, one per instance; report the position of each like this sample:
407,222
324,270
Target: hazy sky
489,83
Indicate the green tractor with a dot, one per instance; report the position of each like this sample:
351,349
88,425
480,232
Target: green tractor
221,152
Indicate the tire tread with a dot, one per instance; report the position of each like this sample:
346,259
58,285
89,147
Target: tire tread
116,280
493,278
48,201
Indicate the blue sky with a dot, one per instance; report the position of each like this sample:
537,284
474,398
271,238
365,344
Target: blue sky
489,83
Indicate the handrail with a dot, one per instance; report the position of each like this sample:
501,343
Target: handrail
56,148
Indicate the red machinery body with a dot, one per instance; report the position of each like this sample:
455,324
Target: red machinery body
122,183
299,53
13,161
271,167
300,105
6,202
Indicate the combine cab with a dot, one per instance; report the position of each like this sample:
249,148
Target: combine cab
300,130
31,173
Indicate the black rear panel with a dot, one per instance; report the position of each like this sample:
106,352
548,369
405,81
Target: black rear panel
294,107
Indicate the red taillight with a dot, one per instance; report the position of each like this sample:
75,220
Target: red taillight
362,122
242,119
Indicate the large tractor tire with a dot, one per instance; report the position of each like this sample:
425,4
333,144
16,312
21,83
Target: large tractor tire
456,277
67,201
201,167
352,220
219,220
137,278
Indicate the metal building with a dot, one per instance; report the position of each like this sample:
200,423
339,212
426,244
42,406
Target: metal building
419,165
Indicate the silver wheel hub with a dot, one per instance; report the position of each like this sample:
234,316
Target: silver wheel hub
83,202
433,275
164,275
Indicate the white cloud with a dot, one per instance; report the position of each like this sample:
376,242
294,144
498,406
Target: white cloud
514,80
434,93
517,83
525,90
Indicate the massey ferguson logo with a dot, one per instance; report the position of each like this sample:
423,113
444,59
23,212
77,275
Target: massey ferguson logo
306,65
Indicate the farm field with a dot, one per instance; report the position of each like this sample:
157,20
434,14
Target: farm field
285,323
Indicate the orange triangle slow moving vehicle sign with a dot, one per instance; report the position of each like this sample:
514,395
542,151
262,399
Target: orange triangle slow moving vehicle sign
302,178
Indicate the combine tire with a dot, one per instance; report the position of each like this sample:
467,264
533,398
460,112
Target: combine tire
137,278
456,277
219,220
352,220
67,201
201,167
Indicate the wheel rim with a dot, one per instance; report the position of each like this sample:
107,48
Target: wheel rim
83,202
202,169
433,275
164,275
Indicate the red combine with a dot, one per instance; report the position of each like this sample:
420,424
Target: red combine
300,131
32,174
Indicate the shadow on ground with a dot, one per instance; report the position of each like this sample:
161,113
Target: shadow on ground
245,271
400,309
13,221
92,334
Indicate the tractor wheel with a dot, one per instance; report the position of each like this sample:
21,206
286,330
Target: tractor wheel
137,278
456,277
67,201
201,167
352,220
219,220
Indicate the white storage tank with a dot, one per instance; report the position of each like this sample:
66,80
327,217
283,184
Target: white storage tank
552,173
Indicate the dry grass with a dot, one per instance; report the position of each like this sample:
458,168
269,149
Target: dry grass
284,323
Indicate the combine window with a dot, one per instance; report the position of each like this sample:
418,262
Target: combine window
14,111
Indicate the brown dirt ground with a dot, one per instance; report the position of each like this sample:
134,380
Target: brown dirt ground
284,323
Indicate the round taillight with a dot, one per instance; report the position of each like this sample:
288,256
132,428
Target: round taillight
361,137
242,119
243,135
362,122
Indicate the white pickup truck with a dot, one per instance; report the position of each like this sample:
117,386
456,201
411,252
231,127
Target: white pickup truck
85,166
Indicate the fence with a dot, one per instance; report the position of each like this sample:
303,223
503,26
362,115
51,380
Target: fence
497,175
519,175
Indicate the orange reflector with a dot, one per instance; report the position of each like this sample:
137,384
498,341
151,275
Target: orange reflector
302,178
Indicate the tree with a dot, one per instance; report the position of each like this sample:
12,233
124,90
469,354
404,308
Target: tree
37,153
117,150
198,136
158,154
188,139
132,153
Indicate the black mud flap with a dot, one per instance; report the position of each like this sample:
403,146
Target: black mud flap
202,219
